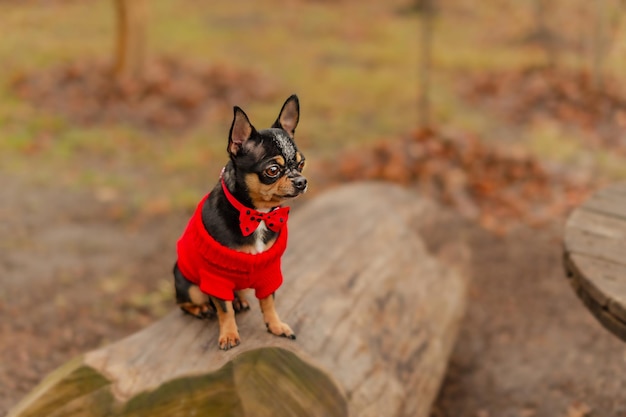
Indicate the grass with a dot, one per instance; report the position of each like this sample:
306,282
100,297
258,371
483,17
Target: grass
354,66
345,69
550,141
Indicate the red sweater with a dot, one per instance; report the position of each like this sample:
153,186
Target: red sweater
219,271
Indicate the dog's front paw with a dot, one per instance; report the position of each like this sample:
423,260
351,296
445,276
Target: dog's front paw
229,340
279,328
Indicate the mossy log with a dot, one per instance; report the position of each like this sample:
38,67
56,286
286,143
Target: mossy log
375,314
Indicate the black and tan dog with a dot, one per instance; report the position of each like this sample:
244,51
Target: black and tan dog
238,233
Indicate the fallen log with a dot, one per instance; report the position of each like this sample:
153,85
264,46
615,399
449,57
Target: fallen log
375,314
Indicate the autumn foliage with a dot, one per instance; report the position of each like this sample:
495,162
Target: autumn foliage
498,188
172,94
568,97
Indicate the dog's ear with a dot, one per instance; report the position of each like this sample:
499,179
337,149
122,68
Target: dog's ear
240,131
289,115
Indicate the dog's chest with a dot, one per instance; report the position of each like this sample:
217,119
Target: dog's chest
259,239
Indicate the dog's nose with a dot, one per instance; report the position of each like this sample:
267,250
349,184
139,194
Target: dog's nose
299,183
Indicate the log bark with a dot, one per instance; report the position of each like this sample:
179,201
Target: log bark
375,313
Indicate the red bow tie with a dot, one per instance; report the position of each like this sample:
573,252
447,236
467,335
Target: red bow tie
249,218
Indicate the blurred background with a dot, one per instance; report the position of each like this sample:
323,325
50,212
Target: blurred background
114,118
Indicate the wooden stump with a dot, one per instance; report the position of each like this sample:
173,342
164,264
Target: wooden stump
375,314
595,256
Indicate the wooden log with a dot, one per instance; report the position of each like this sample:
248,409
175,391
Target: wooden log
375,313
593,256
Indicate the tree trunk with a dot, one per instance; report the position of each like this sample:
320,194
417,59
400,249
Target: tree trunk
130,45
543,35
426,9
375,313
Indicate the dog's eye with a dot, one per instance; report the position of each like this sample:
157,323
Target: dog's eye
272,171
301,166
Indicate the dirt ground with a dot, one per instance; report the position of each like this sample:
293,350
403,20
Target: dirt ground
528,347
74,276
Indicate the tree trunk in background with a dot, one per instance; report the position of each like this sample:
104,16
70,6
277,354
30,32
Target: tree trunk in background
426,9
598,44
130,46
543,35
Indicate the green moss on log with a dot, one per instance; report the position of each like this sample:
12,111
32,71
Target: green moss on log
69,382
258,383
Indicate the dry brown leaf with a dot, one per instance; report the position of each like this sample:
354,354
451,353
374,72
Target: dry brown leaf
578,409
499,188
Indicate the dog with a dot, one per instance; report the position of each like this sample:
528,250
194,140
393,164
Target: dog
238,233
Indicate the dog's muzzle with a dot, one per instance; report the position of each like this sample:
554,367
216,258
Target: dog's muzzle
300,184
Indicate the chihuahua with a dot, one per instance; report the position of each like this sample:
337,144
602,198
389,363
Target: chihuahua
238,233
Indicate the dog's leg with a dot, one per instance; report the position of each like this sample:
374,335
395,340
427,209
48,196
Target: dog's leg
190,299
202,311
229,335
272,321
199,305
240,303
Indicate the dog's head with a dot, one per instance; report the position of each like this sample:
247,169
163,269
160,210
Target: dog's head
268,159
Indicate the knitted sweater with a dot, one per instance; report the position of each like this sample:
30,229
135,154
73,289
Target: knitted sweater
219,270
